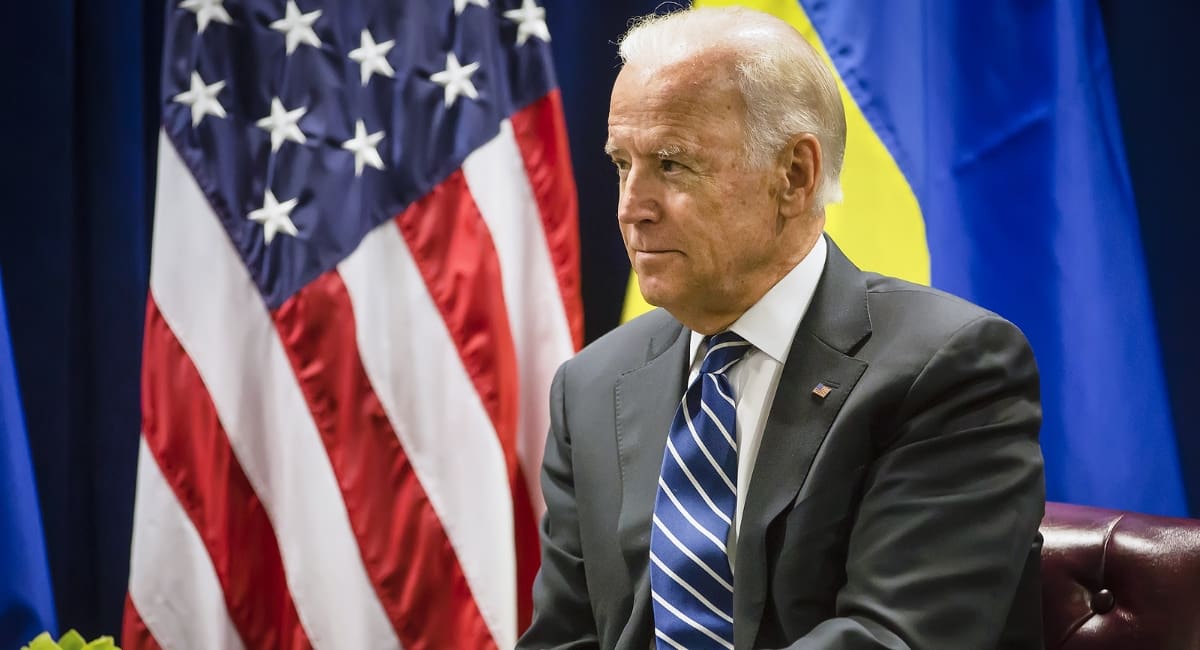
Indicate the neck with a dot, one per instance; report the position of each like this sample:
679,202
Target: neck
708,321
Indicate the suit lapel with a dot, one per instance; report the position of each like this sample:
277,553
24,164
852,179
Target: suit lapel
646,399
835,324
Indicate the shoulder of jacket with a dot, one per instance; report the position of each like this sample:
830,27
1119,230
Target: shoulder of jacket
631,344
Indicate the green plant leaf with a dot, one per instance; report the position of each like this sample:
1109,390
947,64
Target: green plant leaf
102,643
43,642
72,641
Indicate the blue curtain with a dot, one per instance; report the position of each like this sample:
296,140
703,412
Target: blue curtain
1152,54
26,602
81,106
80,83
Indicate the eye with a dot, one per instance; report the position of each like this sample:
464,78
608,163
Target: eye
621,165
670,166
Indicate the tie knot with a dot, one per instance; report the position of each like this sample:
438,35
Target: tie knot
724,350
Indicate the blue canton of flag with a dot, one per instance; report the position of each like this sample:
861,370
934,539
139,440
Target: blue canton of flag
280,124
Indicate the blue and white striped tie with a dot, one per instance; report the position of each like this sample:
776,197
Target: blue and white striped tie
691,580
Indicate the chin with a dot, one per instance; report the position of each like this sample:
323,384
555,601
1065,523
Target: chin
654,292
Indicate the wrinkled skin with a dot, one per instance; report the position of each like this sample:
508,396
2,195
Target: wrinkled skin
707,234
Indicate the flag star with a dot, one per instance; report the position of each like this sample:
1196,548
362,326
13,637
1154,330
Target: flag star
456,79
202,99
531,21
372,57
461,5
282,124
363,147
275,217
206,11
297,27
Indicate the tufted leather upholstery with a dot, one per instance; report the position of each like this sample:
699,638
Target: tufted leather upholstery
1114,579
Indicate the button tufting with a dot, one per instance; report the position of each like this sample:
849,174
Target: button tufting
1103,601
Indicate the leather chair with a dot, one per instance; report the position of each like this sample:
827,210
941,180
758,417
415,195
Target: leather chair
1113,579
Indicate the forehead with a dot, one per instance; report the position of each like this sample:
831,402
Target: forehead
695,102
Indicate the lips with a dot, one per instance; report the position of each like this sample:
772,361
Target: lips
645,260
654,251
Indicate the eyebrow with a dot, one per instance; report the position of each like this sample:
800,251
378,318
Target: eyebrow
669,151
664,152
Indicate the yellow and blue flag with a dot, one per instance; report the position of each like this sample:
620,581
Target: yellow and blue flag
26,604
984,157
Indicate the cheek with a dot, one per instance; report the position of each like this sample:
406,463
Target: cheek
705,207
747,226
625,229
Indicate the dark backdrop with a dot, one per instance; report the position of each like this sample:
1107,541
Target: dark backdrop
80,99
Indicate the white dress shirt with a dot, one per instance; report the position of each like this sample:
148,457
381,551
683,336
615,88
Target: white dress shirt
769,326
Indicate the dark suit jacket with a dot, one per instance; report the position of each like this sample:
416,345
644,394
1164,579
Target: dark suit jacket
900,511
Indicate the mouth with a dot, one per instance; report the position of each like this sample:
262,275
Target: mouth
651,255
655,251
651,261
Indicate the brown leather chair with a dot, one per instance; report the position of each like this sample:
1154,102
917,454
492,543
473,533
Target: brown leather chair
1113,579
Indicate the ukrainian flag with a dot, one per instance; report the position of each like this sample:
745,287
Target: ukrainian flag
984,157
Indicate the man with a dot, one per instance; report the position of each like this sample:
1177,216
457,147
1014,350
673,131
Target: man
791,452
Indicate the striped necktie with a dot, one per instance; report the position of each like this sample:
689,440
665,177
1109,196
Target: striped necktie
691,580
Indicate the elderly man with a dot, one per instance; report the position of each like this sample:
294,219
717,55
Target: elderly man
791,452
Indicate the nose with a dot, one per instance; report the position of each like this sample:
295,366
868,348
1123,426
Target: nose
638,200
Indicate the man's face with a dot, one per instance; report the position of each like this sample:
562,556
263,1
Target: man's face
700,226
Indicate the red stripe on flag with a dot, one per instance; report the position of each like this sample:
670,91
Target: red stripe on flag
181,427
454,251
541,134
457,258
404,547
529,557
134,633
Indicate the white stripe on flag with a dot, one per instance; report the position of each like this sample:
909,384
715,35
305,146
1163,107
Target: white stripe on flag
172,581
417,374
496,175
206,296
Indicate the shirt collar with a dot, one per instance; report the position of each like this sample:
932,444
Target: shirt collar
770,324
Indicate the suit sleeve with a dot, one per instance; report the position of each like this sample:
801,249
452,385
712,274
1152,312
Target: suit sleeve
562,614
951,504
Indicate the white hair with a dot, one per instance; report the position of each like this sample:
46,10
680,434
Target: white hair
787,88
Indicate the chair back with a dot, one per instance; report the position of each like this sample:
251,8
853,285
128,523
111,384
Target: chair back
1119,580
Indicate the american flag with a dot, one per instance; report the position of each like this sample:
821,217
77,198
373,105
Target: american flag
364,275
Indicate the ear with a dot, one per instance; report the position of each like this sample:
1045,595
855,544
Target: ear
802,169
